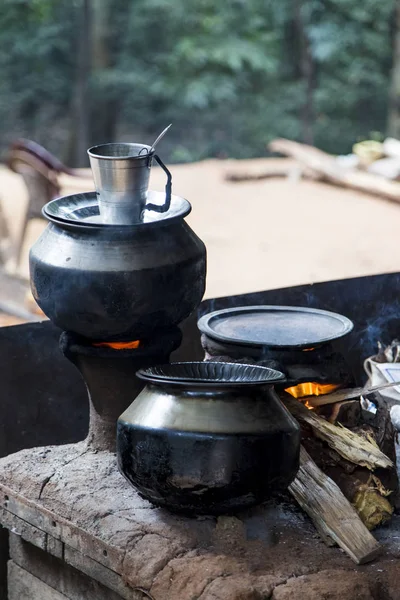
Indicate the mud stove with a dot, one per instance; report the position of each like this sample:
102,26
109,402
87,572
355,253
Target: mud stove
118,281
77,529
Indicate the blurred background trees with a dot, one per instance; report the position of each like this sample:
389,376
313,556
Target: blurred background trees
229,76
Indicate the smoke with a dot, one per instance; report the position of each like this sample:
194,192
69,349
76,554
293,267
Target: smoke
383,327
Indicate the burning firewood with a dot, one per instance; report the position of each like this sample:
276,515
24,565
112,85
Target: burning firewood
348,444
355,460
348,394
332,514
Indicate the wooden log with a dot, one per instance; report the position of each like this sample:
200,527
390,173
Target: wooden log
365,491
349,445
347,413
372,495
275,171
328,169
331,513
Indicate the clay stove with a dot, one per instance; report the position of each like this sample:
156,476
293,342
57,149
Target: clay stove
78,530
108,371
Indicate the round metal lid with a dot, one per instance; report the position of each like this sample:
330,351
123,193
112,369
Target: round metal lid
210,373
274,326
83,209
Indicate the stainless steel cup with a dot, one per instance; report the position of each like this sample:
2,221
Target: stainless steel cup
121,175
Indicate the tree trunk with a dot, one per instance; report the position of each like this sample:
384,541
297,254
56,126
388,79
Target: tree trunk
306,65
104,109
82,102
394,92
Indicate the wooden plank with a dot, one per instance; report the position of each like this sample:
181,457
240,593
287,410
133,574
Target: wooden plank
67,580
331,513
54,547
24,586
29,532
99,573
4,556
349,445
326,168
271,171
61,529
81,550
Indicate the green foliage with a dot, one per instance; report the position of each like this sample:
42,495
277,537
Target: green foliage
36,64
228,75
351,46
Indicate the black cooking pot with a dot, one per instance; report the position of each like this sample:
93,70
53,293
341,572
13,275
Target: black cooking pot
208,437
299,341
111,282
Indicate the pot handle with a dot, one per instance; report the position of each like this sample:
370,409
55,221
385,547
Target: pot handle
162,208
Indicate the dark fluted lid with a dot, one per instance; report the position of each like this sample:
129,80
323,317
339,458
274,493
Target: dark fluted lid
210,373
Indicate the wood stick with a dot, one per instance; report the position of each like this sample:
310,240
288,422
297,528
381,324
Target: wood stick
328,169
347,394
349,445
331,513
275,171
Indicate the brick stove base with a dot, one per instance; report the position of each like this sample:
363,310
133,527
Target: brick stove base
34,574
78,530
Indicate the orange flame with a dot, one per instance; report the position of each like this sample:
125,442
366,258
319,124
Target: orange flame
311,389
118,345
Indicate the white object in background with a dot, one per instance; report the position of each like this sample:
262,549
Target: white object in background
386,167
368,405
381,373
395,416
391,147
348,161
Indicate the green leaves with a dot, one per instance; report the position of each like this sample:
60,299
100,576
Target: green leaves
229,75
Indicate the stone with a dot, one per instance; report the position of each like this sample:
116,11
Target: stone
187,578
325,585
147,558
231,588
387,577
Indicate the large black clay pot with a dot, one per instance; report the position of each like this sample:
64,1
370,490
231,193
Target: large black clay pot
208,437
111,282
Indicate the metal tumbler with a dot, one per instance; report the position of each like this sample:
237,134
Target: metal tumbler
121,175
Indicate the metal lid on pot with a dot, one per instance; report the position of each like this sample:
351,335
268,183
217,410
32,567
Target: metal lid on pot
274,326
83,210
208,373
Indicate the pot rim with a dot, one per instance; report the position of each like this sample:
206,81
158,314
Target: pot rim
93,151
210,374
208,320
56,211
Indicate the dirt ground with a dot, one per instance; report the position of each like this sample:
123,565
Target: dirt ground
262,234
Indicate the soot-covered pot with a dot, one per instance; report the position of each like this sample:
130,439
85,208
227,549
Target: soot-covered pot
111,282
208,437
